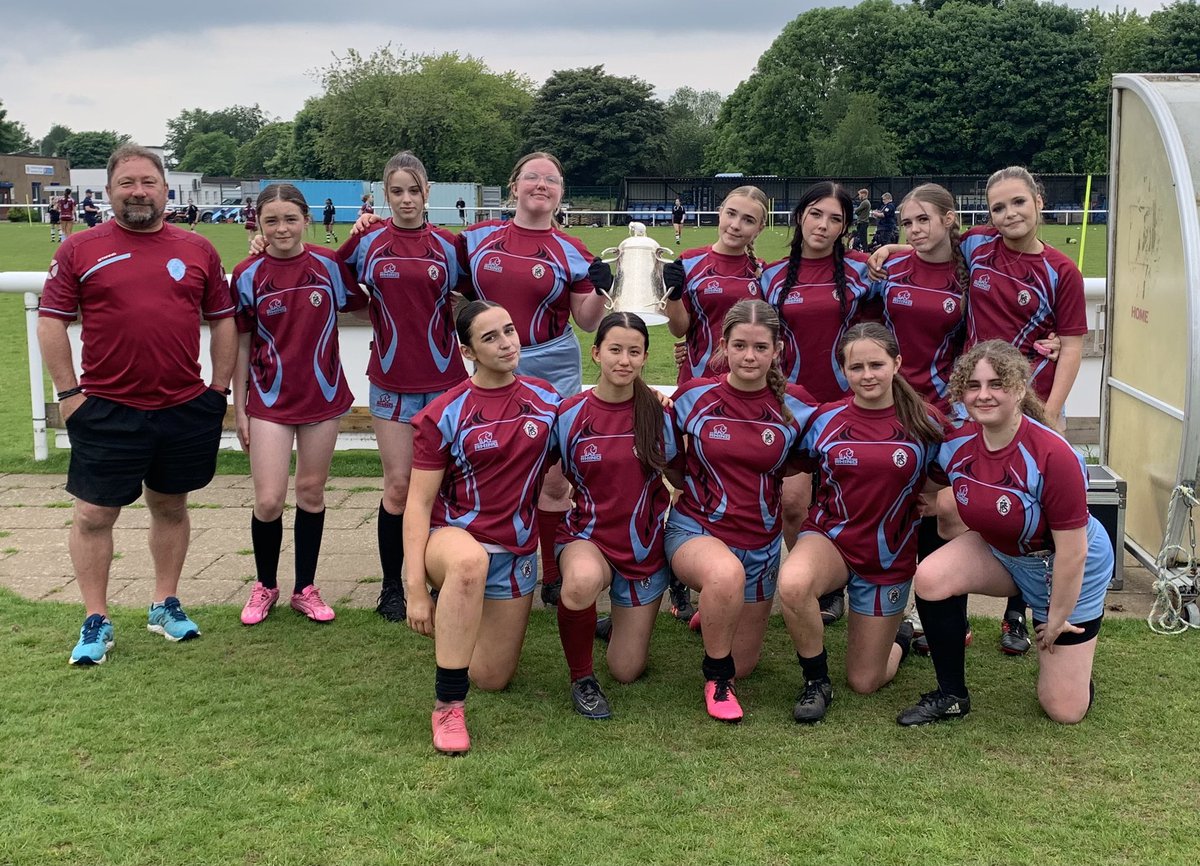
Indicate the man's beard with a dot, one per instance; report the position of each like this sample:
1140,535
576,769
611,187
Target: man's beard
140,215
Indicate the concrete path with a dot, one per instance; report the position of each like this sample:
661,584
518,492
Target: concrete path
35,512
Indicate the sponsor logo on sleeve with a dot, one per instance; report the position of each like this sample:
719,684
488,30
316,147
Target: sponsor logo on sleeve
961,495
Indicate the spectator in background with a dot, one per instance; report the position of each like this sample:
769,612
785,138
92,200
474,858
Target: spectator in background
862,220
677,214
91,213
328,214
55,228
368,204
885,222
462,210
193,214
66,214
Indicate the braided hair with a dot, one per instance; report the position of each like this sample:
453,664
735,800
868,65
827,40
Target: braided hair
812,195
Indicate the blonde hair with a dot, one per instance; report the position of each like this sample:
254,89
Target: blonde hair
1010,368
1017,172
525,160
759,198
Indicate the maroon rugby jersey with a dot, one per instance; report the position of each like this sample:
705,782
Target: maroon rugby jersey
1014,497
493,444
814,321
714,283
1022,297
922,306
289,307
411,274
618,505
141,296
532,273
737,445
872,474
66,208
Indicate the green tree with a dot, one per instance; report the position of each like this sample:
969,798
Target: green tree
854,139
602,127
307,129
50,145
766,124
271,153
91,149
690,117
1173,44
211,153
14,137
240,122
459,117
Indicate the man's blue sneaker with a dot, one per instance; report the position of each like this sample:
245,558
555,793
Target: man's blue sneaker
169,620
95,640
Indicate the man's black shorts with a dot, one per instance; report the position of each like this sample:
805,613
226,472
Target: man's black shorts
116,448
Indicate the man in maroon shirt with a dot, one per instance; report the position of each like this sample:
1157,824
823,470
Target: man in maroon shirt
140,418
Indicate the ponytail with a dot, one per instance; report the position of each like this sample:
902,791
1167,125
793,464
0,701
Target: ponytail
648,428
962,276
913,413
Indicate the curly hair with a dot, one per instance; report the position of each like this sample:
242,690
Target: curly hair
1010,367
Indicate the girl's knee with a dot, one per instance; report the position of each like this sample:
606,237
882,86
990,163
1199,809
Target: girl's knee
626,671
269,506
864,682
491,680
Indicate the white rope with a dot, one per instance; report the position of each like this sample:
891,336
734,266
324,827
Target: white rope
1167,612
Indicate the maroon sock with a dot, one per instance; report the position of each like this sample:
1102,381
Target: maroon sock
547,526
577,630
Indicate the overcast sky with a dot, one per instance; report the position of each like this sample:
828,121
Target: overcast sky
108,64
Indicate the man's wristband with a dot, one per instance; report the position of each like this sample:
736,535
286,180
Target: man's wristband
70,392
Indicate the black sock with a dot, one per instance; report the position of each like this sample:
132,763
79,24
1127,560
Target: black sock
266,537
904,641
928,539
451,684
391,547
945,625
718,669
1016,605
1091,693
815,668
310,526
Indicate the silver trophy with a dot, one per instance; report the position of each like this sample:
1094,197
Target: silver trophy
638,286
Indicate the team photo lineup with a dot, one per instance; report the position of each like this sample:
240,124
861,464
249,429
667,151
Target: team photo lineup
868,432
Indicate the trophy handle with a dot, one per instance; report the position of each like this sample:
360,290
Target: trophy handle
664,255
612,252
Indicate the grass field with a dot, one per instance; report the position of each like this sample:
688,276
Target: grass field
291,743
27,248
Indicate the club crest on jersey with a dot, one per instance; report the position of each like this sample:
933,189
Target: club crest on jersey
949,305
768,436
54,269
962,496
719,432
176,268
591,454
794,297
538,272
530,429
315,299
275,307
903,298
845,457
388,272
983,283
1003,505
900,457
433,272
1023,297
493,264
486,441
713,288
752,288
893,595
